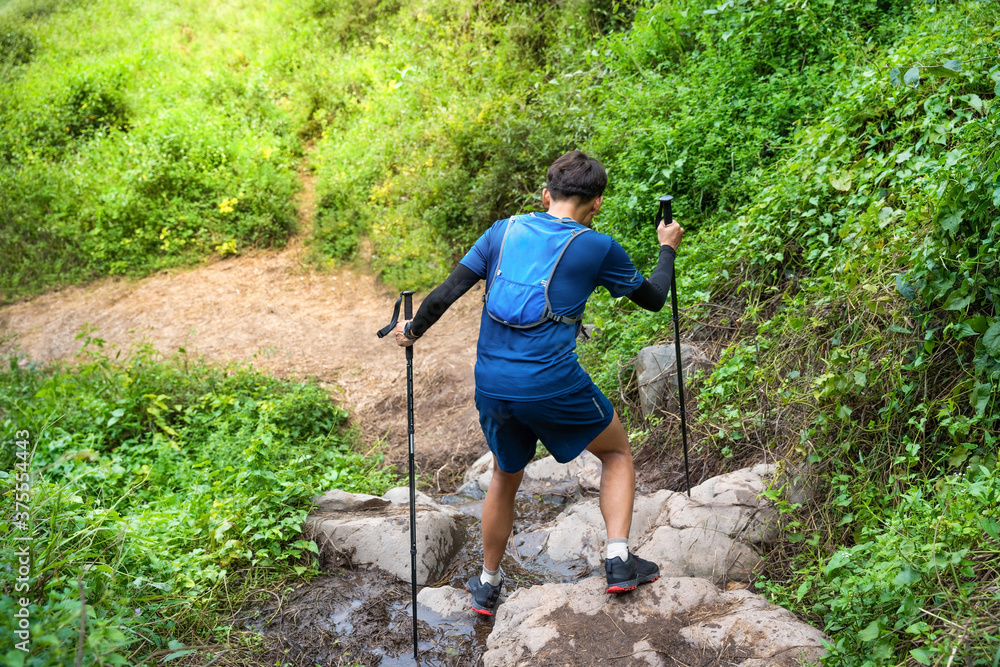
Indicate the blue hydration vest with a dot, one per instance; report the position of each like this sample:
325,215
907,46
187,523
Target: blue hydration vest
518,294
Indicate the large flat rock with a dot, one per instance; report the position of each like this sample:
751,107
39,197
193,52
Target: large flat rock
668,622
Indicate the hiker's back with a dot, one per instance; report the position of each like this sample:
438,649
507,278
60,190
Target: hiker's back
540,361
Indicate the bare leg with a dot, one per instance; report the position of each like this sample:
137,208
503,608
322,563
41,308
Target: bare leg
617,478
498,514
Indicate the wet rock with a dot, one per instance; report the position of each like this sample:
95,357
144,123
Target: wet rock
710,535
477,477
656,373
380,537
445,601
545,476
401,496
668,622
336,500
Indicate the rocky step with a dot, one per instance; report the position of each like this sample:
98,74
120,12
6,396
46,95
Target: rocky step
672,621
701,542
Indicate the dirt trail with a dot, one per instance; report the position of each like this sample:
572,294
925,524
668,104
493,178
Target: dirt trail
271,309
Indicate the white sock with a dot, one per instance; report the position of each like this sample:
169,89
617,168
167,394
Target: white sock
617,547
491,578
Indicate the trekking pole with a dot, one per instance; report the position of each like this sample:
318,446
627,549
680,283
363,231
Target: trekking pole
666,214
407,299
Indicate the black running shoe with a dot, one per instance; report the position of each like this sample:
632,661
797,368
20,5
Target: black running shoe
485,597
626,575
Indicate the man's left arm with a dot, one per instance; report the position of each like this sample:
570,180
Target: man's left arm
653,292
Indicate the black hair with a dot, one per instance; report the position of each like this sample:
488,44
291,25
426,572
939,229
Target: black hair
575,174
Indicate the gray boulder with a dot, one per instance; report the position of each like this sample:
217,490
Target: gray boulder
374,536
477,477
401,496
656,374
444,601
712,534
336,500
545,476
668,622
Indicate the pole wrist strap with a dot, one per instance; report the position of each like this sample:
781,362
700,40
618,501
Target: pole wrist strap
384,331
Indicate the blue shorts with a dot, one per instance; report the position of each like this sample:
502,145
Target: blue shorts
565,424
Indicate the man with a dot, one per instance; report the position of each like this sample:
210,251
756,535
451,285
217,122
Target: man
542,269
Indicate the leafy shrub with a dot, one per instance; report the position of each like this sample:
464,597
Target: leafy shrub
126,160
17,45
157,488
906,587
422,154
34,9
352,22
90,106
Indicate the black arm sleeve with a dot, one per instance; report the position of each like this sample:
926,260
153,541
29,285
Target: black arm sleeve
441,298
653,292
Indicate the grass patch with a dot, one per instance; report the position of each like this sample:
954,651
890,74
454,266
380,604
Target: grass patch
162,492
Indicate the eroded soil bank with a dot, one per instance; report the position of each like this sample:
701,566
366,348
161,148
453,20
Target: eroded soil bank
273,310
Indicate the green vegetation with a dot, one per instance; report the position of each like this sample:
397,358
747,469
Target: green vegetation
835,163
848,257
846,251
132,144
160,487
443,116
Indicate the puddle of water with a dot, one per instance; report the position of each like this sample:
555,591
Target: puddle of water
457,639
364,616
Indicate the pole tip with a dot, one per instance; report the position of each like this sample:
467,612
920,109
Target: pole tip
665,198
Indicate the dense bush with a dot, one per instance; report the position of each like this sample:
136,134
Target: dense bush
117,157
446,120
158,485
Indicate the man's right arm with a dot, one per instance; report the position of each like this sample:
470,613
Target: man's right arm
653,292
470,270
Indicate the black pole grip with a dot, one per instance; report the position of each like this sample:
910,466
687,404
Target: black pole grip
407,304
407,298
666,210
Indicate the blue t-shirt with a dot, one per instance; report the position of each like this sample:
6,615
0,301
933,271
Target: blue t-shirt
539,363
